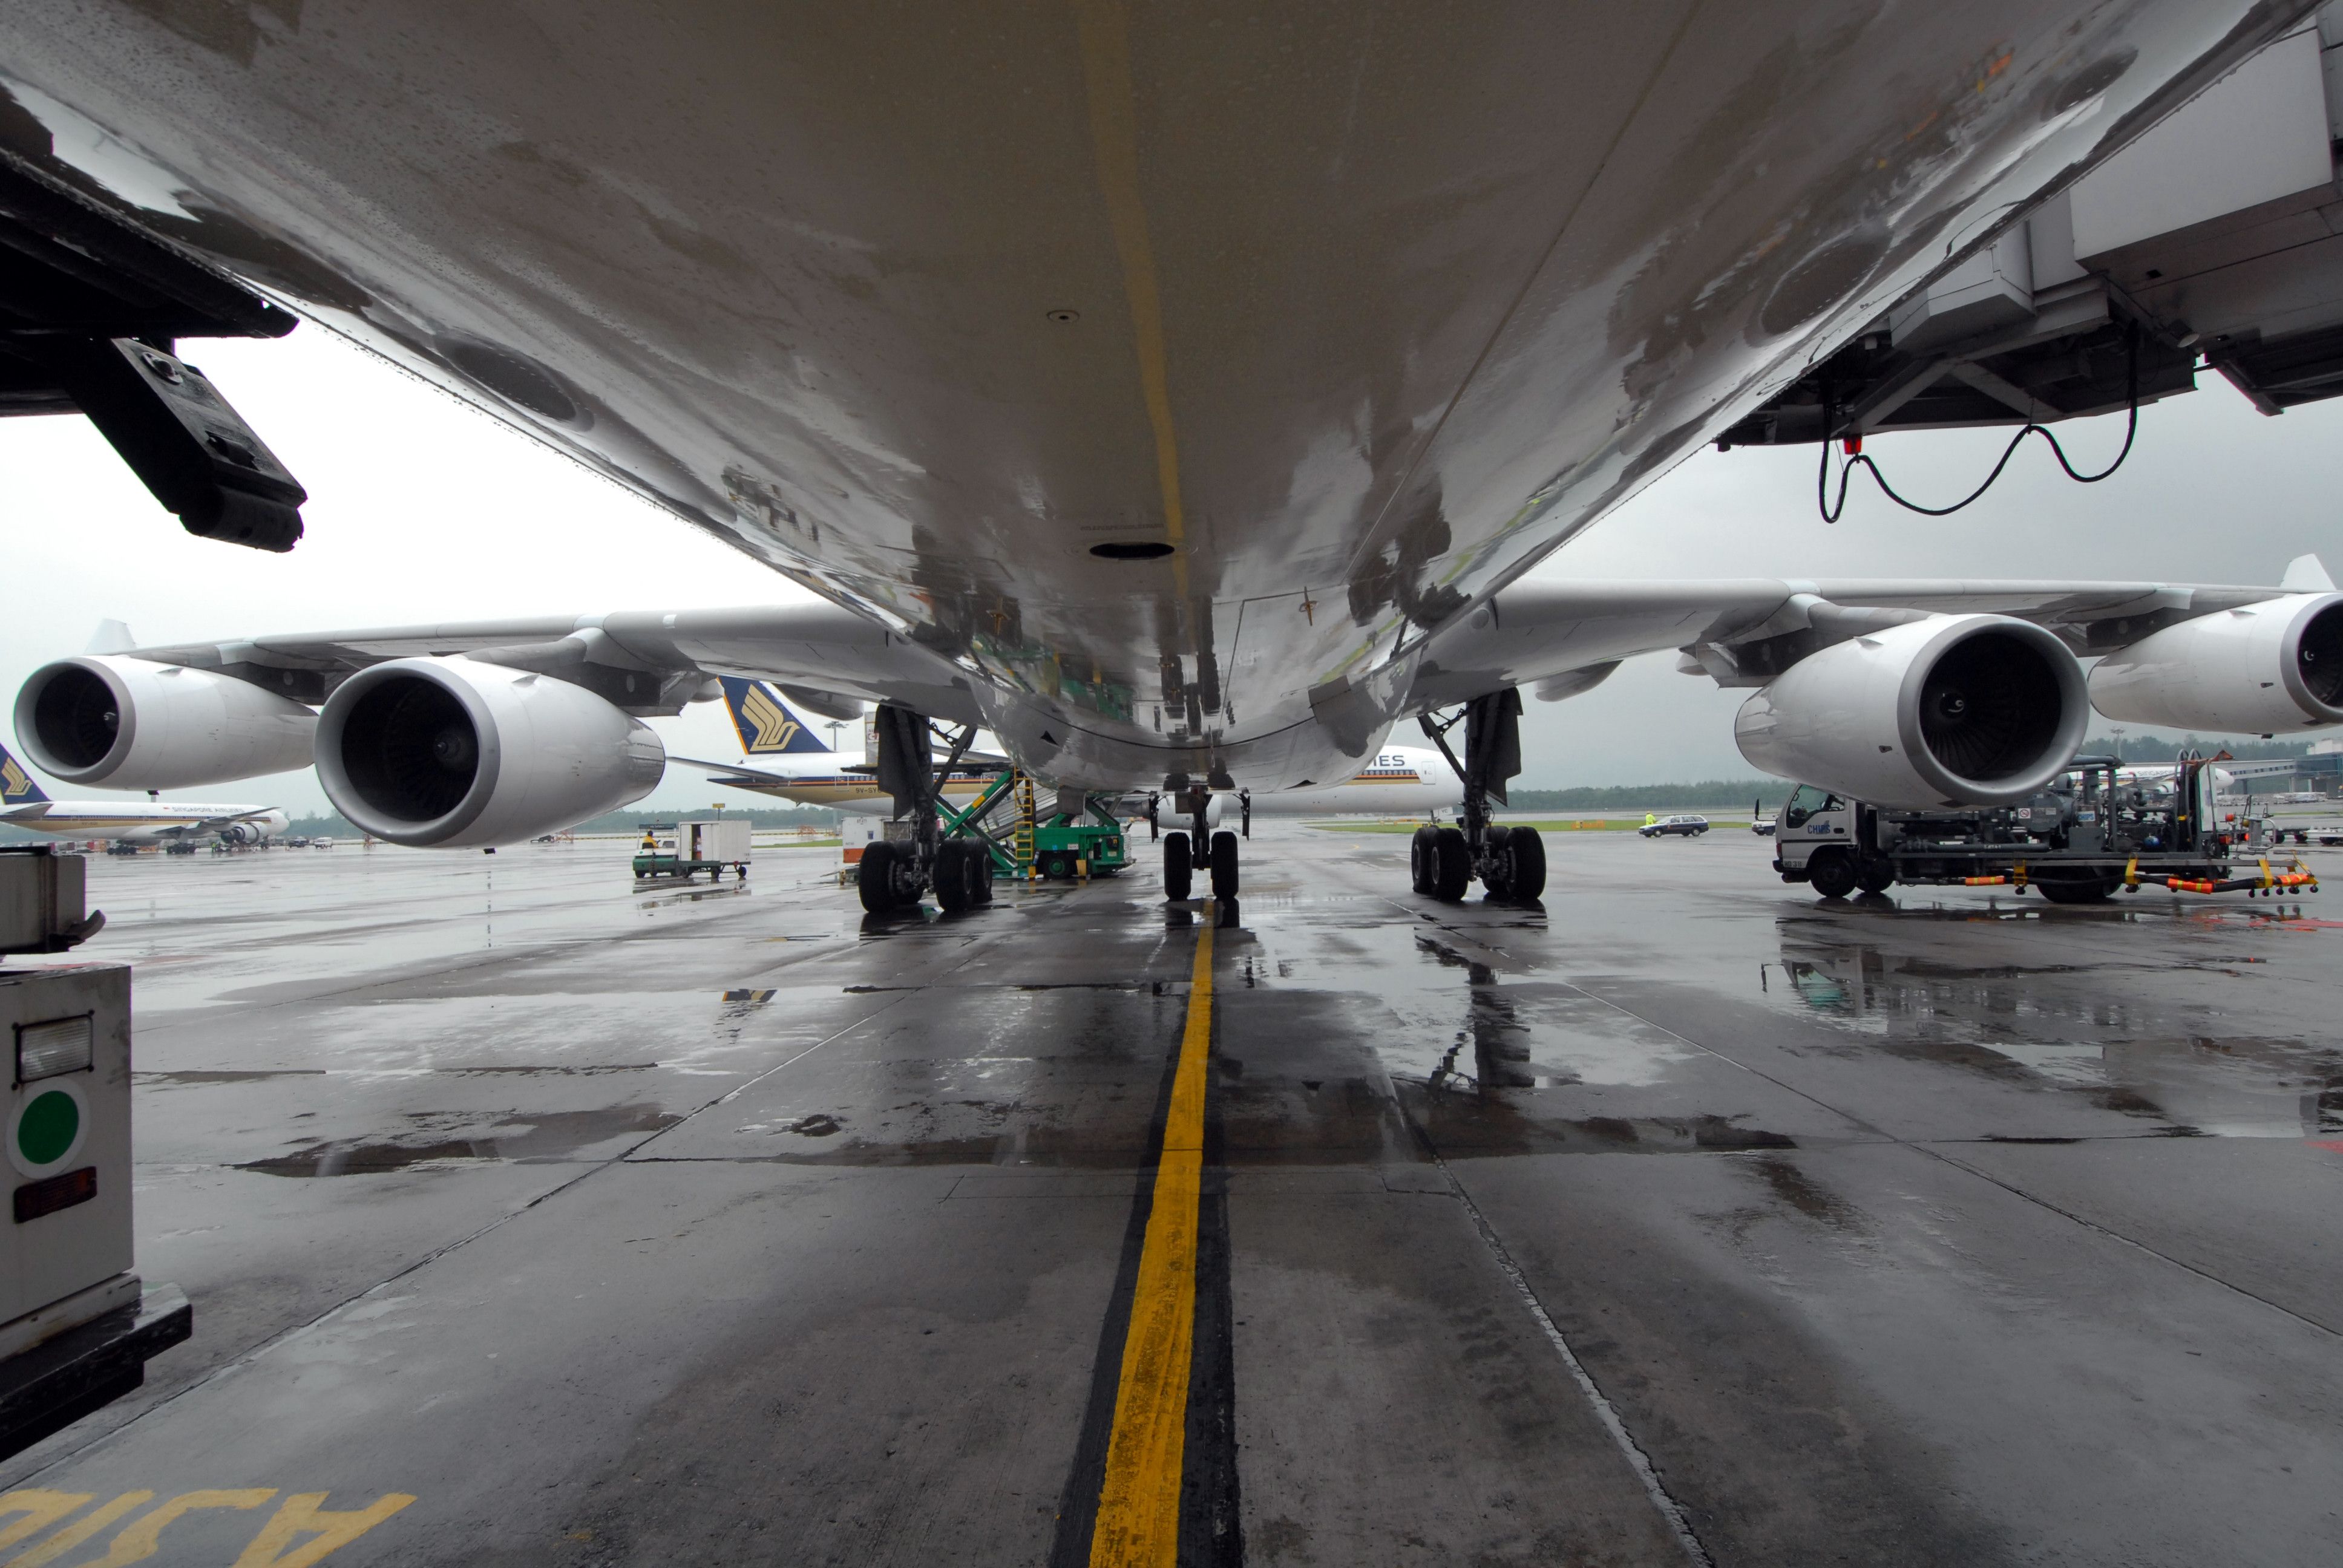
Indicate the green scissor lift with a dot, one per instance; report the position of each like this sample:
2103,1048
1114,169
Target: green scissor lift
1063,847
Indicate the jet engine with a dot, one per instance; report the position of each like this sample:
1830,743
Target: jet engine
1950,710
449,752
2266,668
133,724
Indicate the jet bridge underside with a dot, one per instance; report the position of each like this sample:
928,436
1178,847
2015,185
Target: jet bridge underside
2215,242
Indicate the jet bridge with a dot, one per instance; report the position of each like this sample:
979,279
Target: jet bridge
2213,242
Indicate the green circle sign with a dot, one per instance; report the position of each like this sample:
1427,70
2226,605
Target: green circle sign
46,1130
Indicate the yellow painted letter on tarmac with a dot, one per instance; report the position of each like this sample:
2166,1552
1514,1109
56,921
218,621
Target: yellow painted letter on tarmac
141,1535
38,1509
302,1513
79,1531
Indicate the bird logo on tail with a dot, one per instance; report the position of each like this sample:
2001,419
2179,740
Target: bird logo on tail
17,786
763,722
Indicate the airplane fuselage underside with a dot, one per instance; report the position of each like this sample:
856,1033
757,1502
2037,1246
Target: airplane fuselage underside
1174,375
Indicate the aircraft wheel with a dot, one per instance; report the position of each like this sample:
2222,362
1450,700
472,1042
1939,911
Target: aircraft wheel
874,876
1422,858
1224,865
1832,874
985,872
1452,868
1525,857
1178,873
952,875
1875,876
1497,866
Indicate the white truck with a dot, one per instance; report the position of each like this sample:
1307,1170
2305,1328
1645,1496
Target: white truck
2097,830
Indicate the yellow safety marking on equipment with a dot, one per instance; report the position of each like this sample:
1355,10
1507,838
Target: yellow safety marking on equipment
1114,137
2131,872
304,1511
1138,1522
279,1545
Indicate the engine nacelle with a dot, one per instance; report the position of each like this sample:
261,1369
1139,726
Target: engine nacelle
134,724
1952,710
2268,668
449,753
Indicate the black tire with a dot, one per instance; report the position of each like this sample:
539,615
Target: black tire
2085,890
1832,874
1875,876
1178,873
1058,867
1454,870
1525,853
985,872
874,876
1422,858
1224,865
952,875
1496,865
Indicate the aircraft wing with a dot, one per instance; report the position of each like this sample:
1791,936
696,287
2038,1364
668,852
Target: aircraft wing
817,645
1563,639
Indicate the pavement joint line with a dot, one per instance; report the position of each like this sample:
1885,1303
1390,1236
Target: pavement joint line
1933,1152
282,1336
1670,1509
1138,1518
1884,1135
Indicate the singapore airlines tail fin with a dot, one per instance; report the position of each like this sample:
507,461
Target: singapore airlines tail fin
764,723
17,788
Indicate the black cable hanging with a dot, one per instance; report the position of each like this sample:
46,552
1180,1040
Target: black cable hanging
1832,511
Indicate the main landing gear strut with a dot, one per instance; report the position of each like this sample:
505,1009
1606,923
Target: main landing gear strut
1182,856
1509,861
895,871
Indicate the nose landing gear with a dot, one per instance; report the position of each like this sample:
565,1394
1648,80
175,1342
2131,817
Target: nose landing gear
1199,848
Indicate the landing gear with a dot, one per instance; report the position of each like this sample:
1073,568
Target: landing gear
963,875
1510,862
1224,865
894,873
1199,848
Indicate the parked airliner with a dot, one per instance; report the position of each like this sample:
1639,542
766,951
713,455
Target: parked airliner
25,804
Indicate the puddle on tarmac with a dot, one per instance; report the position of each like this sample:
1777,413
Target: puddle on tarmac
517,1137
2122,1046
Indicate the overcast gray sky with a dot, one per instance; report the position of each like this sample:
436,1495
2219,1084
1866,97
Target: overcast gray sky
423,510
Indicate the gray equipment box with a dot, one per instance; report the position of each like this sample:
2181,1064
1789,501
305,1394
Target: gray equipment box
41,897
76,1325
64,1249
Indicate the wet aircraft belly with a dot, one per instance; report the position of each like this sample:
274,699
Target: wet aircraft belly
528,1220
1348,312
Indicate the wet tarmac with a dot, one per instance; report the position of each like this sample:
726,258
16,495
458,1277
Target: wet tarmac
532,1220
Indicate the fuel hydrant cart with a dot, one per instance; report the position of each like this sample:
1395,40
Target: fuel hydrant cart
76,1323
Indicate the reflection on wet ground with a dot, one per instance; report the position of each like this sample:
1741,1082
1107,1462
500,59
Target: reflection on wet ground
1990,1232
